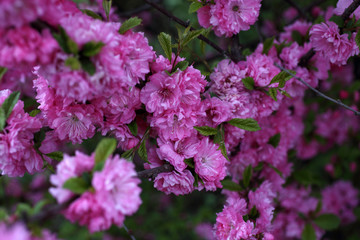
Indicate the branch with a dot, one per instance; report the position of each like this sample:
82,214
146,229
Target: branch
181,22
338,102
152,173
349,10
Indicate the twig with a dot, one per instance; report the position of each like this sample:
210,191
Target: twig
128,232
181,22
349,10
152,173
338,102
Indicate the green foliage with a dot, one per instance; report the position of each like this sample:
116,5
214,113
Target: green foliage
268,43
105,148
194,6
133,127
58,156
165,42
92,48
73,63
230,185
249,83
91,14
206,131
2,72
247,124
308,233
247,175
7,107
76,185
107,7
327,221
129,24
274,140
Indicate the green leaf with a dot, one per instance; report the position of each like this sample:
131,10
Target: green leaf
104,149
23,208
142,150
222,148
327,221
297,37
249,83
247,175
230,185
58,156
39,137
276,170
2,72
190,162
268,43
357,212
338,20
246,52
129,24
191,36
88,66
39,205
2,119
76,185
107,7
129,154
91,14
247,124
308,233
73,63
254,213
318,206
34,112
319,19
3,214
273,93
286,94
206,131
9,103
133,127
181,65
165,42
274,140
357,39
92,48
282,77
195,6
259,167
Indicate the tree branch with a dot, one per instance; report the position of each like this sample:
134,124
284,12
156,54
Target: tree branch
152,173
338,102
181,22
349,10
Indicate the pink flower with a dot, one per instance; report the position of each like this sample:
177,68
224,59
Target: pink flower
229,17
209,162
326,38
161,93
75,123
15,232
178,183
176,152
230,223
88,212
340,198
17,152
117,190
68,168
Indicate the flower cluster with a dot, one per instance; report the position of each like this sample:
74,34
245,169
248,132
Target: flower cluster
115,191
229,17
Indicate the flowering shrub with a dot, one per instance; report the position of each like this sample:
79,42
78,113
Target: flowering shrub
96,95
